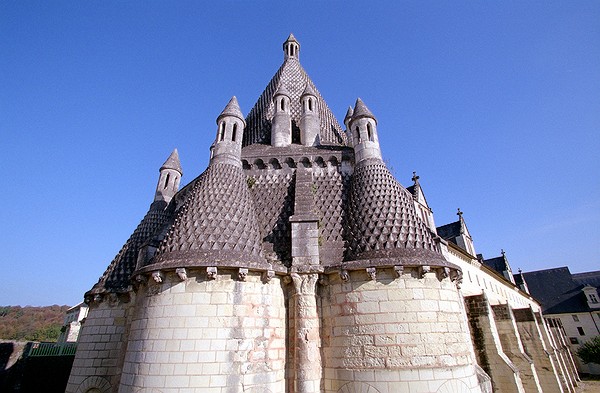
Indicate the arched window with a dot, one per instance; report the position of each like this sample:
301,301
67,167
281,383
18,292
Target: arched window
369,132
222,131
167,180
357,135
234,132
282,104
310,104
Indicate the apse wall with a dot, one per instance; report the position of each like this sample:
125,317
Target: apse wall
225,334
401,331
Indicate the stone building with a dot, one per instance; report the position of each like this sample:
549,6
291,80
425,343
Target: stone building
571,304
296,262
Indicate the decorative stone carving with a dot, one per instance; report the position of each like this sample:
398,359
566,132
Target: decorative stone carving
372,272
140,279
268,275
211,272
445,272
398,269
242,273
181,273
287,279
423,270
157,276
97,298
344,275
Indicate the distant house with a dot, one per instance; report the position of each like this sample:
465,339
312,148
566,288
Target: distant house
73,319
571,301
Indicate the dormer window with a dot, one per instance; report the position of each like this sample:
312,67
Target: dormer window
593,298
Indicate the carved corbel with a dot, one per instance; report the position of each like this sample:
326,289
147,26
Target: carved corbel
344,275
157,276
97,298
424,270
181,273
287,279
398,269
268,275
211,272
372,272
140,279
242,273
445,272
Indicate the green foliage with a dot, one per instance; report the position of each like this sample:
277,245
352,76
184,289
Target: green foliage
589,352
31,323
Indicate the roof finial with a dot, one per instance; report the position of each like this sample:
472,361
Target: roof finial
415,179
291,47
502,252
459,213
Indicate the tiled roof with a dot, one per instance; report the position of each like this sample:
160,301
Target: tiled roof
293,79
382,218
216,223
117,276
557,291
450,231
498,264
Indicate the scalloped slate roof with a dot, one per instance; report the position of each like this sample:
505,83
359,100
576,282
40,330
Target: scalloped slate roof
117,274
382,217
293,79
217,222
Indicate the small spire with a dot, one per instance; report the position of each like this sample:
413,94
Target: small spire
415,179
282,91
361,110
348,114
172,162
308,90
291,47
232,109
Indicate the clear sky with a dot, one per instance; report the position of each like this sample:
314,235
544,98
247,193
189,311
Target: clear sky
496,105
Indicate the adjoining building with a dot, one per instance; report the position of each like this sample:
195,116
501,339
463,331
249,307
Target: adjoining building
296,262
570,302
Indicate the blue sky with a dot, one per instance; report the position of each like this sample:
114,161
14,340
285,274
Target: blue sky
496,105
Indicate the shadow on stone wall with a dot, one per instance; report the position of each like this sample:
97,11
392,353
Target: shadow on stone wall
20,373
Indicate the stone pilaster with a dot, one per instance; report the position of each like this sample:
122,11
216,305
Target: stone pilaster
535,347
488,347
307,338
513,347
305,223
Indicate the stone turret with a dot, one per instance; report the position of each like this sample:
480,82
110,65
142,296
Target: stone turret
291,48
230,127
363,127
170,176
281,126
309,121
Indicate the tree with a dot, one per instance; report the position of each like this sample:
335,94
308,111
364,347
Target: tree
589,352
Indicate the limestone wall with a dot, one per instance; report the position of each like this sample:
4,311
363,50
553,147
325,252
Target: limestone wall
101,347
221,335
394,334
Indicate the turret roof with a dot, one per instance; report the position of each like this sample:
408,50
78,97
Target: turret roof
309,90
215,226
361,110
172,162
232,109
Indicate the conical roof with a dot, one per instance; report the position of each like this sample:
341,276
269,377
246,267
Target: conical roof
232,109
291,76
349,114
172,162
215,226
117,276
308,90
361,110
382,219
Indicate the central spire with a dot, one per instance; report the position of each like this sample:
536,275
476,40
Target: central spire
291,48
